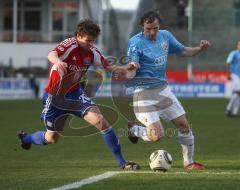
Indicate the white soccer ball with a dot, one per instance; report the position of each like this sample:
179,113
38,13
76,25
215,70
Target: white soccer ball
160,160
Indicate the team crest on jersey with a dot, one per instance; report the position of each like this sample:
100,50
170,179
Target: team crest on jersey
87,61
132,49
60,48
164,46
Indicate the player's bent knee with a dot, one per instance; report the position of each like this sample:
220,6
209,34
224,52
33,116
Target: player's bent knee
101,123
155,132
99,119
154,138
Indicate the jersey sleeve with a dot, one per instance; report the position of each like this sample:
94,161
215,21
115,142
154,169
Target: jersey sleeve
133,52
175,47
230,57
65,47
99,59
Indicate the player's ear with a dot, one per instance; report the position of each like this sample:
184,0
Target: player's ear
79,36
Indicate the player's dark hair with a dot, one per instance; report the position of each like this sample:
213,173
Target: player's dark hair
87,27
149,17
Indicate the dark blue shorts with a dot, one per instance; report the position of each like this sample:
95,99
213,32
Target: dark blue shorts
56,109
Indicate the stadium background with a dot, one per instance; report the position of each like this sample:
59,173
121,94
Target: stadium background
34,36
37,25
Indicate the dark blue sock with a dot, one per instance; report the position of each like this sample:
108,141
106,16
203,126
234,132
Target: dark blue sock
35,138
113,144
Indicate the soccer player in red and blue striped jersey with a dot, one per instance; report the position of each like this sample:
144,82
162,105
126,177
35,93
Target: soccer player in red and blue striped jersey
64,95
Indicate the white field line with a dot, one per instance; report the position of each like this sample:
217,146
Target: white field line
109,174
180,173
86,181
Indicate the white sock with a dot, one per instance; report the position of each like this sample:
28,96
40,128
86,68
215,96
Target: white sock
140,132
187,143
231,102
187,151
235,106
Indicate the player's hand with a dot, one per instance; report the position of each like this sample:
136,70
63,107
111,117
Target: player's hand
119,74
132,66
204,45
131,69
62,67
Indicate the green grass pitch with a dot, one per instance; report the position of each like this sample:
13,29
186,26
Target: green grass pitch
217,141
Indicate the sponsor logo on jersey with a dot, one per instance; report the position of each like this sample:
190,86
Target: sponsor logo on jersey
161,60
76,68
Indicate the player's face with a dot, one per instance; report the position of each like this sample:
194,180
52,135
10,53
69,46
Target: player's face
150,29
238,45
86,40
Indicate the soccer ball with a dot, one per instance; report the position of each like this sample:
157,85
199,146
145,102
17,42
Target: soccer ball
160,160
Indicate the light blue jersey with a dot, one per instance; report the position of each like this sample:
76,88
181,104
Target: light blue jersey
234,61
152,57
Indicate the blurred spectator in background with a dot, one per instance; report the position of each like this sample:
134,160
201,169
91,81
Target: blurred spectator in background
1,70
34,85
233,67
236,11
236,4
6,70
181,13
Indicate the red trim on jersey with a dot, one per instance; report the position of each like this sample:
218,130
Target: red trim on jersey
99,58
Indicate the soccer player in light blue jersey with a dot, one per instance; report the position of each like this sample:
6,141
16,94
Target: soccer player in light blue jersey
152,98
233,67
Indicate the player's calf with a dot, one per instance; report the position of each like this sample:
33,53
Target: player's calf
182,124
51,137
94,117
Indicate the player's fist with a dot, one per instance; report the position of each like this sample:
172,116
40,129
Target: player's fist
119,75
131,70
204,44
132,66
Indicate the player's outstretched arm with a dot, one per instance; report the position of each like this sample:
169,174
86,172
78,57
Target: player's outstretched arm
125,72
61,66
191,51
229,71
